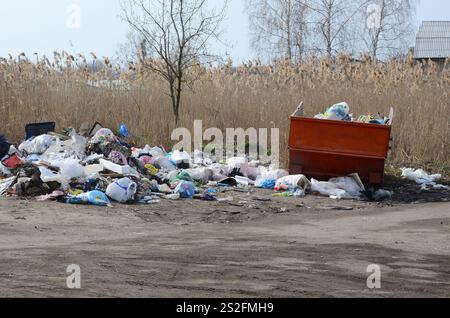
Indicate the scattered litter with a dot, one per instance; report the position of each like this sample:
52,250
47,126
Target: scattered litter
349,187
425,180
100,167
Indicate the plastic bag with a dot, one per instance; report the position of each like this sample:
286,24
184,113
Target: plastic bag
97,198
243,180
5,184
72,148
122,190
70,169
123,131
202,175
154,151
270,174
38,145
328,189
266,183
201,159
424,179
296,181
239,164
186,189
349,185
336,112
164,164
219,171
179,157
48,175
12,161
420,176
103,134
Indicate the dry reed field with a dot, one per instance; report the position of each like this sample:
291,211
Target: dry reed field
251,95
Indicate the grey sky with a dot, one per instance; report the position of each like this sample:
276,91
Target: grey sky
41,26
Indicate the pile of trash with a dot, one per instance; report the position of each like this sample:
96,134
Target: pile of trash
341,112
101,167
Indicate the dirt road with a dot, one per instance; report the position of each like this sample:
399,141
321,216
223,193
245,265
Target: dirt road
251,247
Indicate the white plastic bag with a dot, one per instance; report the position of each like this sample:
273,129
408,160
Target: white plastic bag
38,145
5,184
424,179
299,181
122,190
4,171
180,157
154,151
270,174
74,147
238,163
420,176
200,174
102,134
164,163
328,189
349,185
70,169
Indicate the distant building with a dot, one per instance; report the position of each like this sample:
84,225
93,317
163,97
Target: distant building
433,41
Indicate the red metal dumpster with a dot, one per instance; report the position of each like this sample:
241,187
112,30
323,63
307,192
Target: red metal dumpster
323,149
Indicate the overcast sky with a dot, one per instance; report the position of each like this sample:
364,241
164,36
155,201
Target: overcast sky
42,26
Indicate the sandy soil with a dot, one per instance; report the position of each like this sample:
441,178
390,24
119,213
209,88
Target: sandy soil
255,246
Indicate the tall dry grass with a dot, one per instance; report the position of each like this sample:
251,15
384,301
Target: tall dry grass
252,95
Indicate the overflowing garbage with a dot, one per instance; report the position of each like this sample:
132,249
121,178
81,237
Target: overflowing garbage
341,112
100,167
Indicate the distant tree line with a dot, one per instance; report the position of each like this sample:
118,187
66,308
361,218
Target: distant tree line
294,29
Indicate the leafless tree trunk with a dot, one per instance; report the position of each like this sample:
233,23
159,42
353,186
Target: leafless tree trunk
176,34
278,27
389,25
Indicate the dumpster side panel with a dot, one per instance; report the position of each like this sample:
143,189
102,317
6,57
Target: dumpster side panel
323,149
340,137
324,166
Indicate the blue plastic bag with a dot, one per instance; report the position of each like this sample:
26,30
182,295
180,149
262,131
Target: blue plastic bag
268,184
123,131
96,197
186,189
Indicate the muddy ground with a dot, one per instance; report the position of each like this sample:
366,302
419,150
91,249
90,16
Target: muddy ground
254,246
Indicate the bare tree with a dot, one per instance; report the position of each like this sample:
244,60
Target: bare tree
278,27
174,36
389,25
334,20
